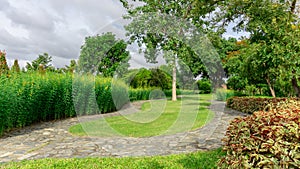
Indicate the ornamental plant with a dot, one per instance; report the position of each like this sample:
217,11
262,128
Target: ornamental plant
252,104
266,139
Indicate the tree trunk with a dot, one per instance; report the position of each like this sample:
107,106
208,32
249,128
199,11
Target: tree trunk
296,87
271,87
174,97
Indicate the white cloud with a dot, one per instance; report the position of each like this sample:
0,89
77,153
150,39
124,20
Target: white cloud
29,28
57,27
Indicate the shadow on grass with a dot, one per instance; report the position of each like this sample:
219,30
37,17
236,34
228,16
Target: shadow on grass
202,160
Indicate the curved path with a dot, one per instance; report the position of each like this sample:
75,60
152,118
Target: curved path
52,139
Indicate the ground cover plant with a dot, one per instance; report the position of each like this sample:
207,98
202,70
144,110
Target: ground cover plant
156,117
266,139
188,161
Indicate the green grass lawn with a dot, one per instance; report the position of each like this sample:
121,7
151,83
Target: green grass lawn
205,160
156,117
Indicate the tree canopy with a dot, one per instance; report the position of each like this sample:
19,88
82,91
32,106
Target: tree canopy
103,54
272,50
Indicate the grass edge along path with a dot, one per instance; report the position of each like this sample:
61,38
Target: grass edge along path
201,159
127,126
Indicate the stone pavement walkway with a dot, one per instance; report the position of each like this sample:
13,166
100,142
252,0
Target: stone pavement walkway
52,139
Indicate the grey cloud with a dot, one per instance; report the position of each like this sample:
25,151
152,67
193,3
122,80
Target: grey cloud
4,5
39,20
56,27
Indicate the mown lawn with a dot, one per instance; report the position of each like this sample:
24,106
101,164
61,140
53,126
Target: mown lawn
197,160
156,117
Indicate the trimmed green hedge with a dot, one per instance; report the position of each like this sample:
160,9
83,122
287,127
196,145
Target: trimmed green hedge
251,104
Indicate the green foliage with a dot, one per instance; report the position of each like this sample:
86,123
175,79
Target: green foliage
30,98
236,83
204,86
266,139
44,60
271,52
174,29
206,159
16,67
144,93
3,64
224,94
252,104
103,54
144,78
140,94
115,61
69,68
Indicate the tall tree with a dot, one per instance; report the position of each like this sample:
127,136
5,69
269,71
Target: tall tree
44,60
103,55
3,64
16,67
166,32
115,60
273,47
71,68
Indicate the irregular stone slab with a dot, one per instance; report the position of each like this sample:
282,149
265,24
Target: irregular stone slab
52,140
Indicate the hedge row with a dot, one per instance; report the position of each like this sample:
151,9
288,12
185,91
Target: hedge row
251,104
29,98
266,139
32,98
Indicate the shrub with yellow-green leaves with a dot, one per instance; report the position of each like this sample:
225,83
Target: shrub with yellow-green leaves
266,139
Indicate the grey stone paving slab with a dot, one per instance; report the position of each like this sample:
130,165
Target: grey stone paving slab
52,139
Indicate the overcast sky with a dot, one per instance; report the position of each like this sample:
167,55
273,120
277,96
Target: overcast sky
58,27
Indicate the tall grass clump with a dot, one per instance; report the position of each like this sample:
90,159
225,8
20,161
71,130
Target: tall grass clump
29,98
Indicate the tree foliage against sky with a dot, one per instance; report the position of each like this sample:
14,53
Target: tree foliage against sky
3,64
103,54
272,50
44,59
164,26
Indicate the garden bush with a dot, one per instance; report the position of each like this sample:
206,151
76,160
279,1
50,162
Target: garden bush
252,104
204,86
266,139
31,98
144,93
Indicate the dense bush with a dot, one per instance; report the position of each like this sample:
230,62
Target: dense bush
31,98
144,93
266,139
252,104
204,86
144,78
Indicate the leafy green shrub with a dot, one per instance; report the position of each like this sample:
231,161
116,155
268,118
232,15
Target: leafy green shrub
152,78
266,139
223,94
204,86
252,104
